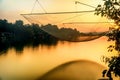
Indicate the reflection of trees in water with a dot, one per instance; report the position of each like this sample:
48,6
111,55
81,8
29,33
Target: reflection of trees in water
18,36
20,45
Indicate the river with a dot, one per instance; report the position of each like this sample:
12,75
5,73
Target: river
35,62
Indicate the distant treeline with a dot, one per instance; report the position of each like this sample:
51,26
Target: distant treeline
18,34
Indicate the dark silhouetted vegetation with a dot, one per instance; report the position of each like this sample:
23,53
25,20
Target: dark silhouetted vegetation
111,10
18,35
67,34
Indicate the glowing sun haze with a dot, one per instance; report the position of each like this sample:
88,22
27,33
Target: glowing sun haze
11,9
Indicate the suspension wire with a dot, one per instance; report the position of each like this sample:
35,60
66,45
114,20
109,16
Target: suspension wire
33,6
41,6
29,20
36,21
68,18
72,17
87,22
76,2
77,15
37,1
60,12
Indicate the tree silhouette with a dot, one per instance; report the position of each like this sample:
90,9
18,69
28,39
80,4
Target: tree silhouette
18,35
111,10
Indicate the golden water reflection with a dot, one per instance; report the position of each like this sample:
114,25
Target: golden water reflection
34,62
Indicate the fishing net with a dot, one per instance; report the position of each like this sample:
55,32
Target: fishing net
71,26
83,29
55,18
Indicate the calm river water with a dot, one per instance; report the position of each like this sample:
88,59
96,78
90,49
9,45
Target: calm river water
34,62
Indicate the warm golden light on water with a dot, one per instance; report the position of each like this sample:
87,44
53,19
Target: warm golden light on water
32,63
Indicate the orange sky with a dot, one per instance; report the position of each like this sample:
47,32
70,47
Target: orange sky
11,9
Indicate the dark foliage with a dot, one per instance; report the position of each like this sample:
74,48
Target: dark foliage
18,35
111,10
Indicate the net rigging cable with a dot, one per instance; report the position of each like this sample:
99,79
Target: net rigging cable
81,38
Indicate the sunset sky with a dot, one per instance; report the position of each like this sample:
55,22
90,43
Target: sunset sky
11,9
41,59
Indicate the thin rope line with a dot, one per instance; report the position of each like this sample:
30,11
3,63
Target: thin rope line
86,22
60,12
41,6
33,6
84,4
